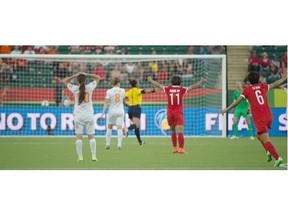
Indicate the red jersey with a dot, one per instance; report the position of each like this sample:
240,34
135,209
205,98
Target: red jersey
257,96
175,98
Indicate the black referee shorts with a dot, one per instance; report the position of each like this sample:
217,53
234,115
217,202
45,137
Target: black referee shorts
134,111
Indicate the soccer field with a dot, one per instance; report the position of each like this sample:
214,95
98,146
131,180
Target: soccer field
52,153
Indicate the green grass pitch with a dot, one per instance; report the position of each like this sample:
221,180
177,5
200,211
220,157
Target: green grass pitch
55,153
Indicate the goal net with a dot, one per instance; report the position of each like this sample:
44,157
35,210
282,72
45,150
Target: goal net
35,102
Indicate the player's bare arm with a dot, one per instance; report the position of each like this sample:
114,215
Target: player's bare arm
196,85
235,103
67,80
155,83
278,82
95,77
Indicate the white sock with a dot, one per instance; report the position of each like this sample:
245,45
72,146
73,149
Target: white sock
93,147
108,136
120,137
79,147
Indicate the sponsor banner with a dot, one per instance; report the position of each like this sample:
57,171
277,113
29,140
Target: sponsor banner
198,122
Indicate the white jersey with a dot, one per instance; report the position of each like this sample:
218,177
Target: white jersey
86,106
116,96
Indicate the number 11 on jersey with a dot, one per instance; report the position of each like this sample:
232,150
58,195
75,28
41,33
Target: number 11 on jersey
177,98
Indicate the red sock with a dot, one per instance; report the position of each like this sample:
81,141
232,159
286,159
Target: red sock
181,140
174,139
270,148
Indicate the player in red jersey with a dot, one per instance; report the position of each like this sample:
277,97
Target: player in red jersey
175,109
256,94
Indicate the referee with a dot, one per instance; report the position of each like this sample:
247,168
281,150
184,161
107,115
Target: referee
134,96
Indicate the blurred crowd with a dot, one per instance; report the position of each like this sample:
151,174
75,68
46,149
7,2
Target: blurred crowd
269,67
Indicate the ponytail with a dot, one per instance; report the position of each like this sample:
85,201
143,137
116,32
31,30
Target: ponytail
81,80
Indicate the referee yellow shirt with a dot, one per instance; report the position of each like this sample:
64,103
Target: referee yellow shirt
134,96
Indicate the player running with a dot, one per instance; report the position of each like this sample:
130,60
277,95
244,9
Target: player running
256,94
114,99
134,97
175,109
242,109
83,110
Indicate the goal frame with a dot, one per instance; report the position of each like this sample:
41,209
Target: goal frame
74,57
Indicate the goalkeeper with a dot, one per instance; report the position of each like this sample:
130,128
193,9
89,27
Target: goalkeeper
242,109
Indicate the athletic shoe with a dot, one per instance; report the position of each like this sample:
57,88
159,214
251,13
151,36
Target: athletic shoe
278,162
80,158
234,137
175,149
181,151
107,147
252,138
119,147
94,158
142,143
269,157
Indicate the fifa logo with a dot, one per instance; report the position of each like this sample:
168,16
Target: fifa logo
161,122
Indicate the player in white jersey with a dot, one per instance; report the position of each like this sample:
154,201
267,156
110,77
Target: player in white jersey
114,99
83,110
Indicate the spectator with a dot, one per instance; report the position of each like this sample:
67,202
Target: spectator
16,51
74,49
121,51
59,73
87,49
6,72
109,49
264,64
153,52
99,49
2,94
52,50
24,48
5,49
187,69
29,51
100,71
116,72
284,61
253,62
154,67
40,49
129,69
203,50
274,75
190,50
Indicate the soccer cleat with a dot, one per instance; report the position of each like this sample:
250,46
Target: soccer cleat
119,147
234,137
141,143
269,157
107,147
252,138
175,149
278,162
94,158
181,151
80,158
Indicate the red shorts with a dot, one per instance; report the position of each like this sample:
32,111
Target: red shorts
175,118
262,125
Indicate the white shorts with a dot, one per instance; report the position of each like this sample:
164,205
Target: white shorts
115,119
84,122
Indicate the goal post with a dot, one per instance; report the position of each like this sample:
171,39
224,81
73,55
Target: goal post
35,98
